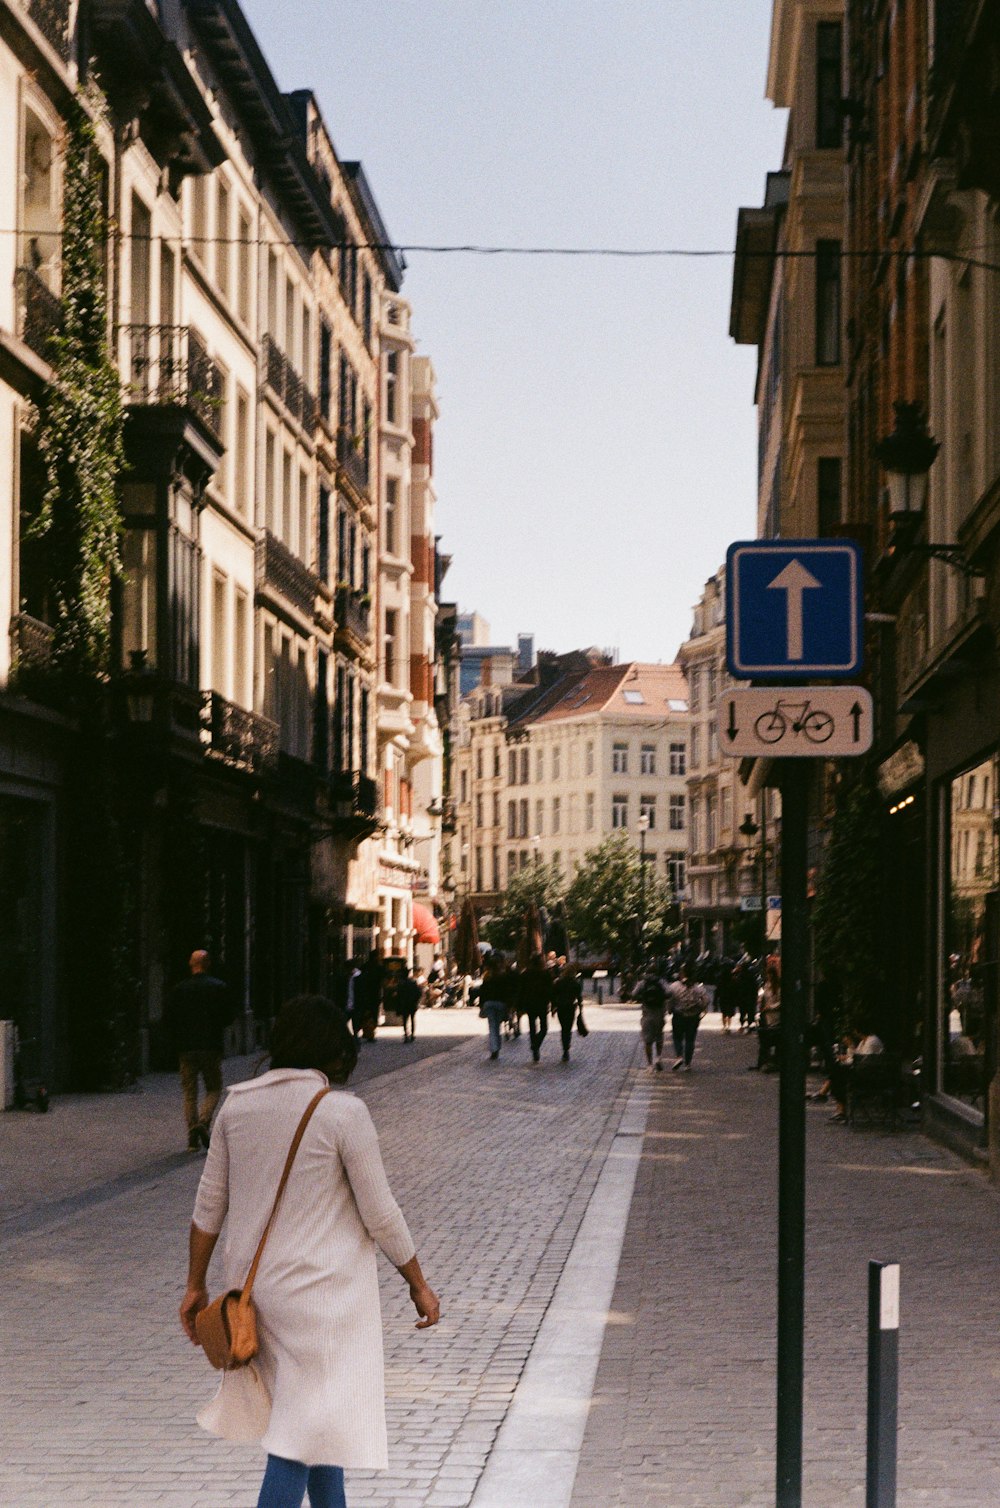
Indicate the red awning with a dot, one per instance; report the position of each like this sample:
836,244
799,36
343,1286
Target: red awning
426,924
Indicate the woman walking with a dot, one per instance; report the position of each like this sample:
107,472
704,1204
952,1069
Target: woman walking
688,1002
316,1290
496,994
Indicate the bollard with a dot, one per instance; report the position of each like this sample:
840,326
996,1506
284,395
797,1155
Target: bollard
600,995
883,1383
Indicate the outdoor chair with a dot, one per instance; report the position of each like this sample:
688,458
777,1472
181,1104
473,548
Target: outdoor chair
874,1085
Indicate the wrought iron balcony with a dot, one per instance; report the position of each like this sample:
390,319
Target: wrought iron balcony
39,311
353,614
30,640
168,364
283,572
353,804
52,19
282,378
352,460
239,738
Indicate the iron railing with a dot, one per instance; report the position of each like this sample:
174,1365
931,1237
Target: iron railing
352,460
30,640
353,802
169,364
52,19
39,310
352,611
279,569
238,737
282,378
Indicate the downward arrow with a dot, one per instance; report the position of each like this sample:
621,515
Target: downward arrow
732,730
794,580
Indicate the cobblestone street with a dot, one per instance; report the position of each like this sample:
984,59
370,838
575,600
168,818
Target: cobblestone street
495,1166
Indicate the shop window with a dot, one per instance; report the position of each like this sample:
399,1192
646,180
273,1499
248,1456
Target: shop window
969,894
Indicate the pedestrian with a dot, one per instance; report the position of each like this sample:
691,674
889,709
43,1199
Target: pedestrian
196,1014
688,1003
316,1290
534,997
368,985
567,1000
496,994
769,1020
409,993
726,994
652,998
745,979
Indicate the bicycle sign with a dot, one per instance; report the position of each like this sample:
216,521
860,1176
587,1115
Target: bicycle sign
782,722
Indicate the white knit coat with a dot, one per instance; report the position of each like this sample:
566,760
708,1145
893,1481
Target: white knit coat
316,1290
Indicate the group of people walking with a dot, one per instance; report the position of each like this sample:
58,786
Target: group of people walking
544,988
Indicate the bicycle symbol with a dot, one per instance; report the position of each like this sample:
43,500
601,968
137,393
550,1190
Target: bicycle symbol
799,717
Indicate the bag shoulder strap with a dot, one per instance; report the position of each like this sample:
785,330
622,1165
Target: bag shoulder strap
296,1140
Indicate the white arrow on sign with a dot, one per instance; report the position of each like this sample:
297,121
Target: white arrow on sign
794,580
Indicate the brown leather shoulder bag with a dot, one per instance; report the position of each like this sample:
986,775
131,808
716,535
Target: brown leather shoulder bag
227,1328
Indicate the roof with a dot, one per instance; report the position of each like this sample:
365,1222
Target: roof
648,693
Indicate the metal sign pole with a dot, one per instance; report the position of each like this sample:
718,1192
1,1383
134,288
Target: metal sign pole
883,1383
792,1132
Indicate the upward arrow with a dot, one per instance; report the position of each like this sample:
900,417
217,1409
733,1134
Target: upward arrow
794,580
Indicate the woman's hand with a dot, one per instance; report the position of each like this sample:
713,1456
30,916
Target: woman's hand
193,1302
427,1305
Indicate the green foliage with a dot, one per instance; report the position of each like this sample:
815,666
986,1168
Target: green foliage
848,936
539,884
608,907
80,425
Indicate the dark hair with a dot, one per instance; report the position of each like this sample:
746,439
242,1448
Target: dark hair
311,1032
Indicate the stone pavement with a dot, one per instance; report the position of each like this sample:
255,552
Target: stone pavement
495,1166
683,1409
492,1163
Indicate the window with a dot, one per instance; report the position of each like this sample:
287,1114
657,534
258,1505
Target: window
827,303
392,387
391,645
463,787
574,813
366,310
511,865
678,759
713,742
676,873
199,217
244,276
634,696
305,521
391,515
828,493
726,811
140,260
539,765
540,818
647,808
222,242
647,759
694,689
970,871
695,830
711,830
556,761
522,819
479,764
556,814
323,535
479,811
512,767
496,763
829,121
496,811
243,651
512,819
675,813
244,452
619,811
695,748
588,759
525,755
711,685
588,812
619,759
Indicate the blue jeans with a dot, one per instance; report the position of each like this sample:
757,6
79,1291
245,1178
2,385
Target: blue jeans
286,1482
496,1015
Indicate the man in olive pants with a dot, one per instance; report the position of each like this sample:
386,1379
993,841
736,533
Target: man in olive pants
196,1015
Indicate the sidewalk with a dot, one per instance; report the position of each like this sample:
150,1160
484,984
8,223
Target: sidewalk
683,1409
92,1147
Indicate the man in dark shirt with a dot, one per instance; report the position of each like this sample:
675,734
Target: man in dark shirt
196,1015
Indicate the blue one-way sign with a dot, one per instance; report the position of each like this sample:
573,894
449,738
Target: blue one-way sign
793,609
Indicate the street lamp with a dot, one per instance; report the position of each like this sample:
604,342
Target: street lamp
643,825
536,844
907,455
750,829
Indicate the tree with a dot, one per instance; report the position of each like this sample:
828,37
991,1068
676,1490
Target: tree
540,885
847,911
609,908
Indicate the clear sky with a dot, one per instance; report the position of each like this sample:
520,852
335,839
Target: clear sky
596,451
